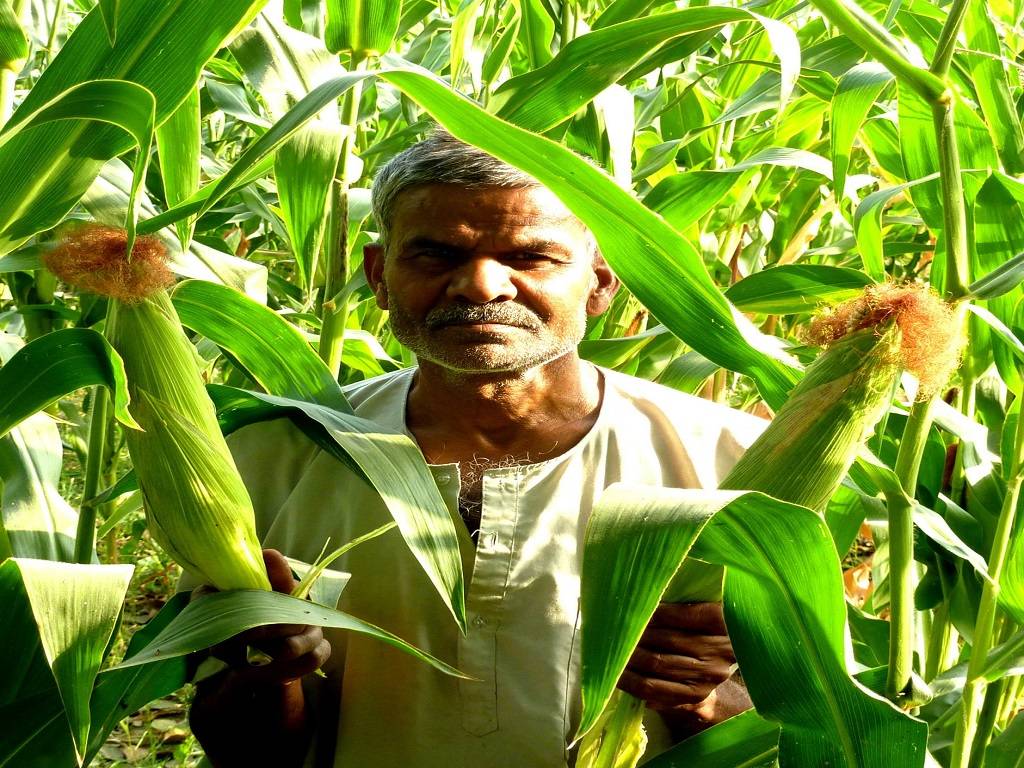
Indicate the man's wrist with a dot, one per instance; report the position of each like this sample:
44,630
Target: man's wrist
727,700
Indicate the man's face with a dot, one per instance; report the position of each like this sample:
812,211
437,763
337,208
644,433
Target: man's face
488,280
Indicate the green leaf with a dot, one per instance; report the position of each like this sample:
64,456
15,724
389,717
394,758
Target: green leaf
856,92
645,252
13,42
1000,281
213,618
993,85
795,288
1007,749
36,521
542,98
109,9
75,608
284,65
179,143
783,604
920,152
684,198
536,31
24,260
107,200
55,365
362,27
619,11
867,225
270,349
127,105
161,48
746,740
688,372
391,463
121,692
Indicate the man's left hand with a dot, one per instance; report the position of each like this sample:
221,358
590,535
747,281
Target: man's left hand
683,656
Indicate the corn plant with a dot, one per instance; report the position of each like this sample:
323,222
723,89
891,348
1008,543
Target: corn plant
741,166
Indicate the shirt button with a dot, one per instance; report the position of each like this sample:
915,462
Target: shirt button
444,479
487,540
509,485
479,622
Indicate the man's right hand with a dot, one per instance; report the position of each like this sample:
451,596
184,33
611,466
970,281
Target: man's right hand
250,715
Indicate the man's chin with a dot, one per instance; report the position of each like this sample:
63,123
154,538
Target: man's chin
488,362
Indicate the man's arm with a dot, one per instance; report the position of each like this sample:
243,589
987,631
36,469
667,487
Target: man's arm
250,715
683,668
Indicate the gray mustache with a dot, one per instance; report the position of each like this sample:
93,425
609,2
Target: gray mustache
504,313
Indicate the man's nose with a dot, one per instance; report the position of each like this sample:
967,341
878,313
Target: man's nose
480,280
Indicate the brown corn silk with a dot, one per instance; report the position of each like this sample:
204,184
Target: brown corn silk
196,505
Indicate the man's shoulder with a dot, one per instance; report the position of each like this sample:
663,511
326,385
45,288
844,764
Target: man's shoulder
681,409
392,385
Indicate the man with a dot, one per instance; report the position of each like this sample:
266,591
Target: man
490,280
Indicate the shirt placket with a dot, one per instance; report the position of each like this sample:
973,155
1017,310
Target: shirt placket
491,567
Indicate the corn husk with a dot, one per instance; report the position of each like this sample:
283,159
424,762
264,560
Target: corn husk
196,505
808,448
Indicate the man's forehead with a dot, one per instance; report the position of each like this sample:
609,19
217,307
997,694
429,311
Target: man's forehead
447,206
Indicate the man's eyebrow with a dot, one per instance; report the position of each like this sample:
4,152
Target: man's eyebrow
537,244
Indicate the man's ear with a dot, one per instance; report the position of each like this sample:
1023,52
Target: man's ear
604,287
373,268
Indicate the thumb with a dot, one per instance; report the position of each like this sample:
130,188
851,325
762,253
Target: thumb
278,571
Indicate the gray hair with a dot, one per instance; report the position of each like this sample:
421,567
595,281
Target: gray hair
439,159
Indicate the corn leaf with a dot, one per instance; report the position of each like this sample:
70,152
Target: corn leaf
160,47
746,740
284,65
13,42
1000,281
109,9
855,93
270,349
179,143
794,288
536,31
36,521
55,365
542,98
391,463
1007,749
362,26
783,605
645,252
107,199
127,105
120,692
993,85
920,152
74,609
216,617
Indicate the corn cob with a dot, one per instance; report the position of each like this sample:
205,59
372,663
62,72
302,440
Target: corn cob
196,505
806,451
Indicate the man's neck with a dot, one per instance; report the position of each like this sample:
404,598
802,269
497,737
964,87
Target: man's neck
534,414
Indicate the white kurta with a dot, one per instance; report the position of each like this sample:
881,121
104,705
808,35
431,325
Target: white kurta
380,708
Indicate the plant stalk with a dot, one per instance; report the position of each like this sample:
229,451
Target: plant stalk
862,28
85,535
947,38
974,687
334,316
902,575
954,214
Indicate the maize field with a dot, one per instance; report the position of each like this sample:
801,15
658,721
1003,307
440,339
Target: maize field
816,211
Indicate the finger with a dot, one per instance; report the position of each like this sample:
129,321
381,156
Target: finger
292,646
266,632
699,618
284,671
278,571
683,644
663,694
679,669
